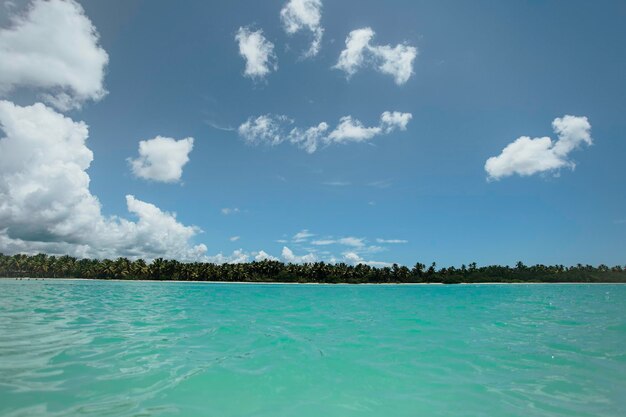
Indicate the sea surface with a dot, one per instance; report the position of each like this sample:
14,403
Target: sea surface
101,348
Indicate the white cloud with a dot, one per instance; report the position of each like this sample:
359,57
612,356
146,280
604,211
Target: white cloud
53,47
161,159
351,257
266,129
158,232
264,256
234,238
271,130
308,139
355,259
379,240
351,241
237,257
527,156
257,51
390,121
289,257
323,242
46,204
227,210
302,236
358,242
355,249
297,15
353,57
350,129
396,61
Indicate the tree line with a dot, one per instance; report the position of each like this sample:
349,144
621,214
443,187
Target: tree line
44,266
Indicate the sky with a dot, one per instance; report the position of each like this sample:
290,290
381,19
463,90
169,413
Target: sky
314,130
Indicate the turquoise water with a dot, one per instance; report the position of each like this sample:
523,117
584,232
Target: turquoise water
97,348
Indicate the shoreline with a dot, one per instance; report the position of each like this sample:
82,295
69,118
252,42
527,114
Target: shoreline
308,283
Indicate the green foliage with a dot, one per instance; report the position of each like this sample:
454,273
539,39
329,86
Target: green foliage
44,266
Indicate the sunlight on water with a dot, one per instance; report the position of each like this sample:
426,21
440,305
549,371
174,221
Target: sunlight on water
95,348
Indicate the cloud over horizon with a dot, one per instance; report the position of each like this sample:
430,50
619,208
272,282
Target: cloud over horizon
347,249
46,204
290,257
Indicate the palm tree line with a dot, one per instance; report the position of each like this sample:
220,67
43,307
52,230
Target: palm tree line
44,266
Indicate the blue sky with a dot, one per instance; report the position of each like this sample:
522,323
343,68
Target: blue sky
485,74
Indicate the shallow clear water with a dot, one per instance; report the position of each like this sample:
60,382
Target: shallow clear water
96,348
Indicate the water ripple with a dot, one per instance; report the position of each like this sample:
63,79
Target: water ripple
96,348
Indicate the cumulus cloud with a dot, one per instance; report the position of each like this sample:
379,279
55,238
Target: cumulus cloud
257,51
360,52
264,256
527,156
354,258
161,159
46,204
273,130
353,250
350,129
157,232
234,238
299,15
53,47
289,257
237,257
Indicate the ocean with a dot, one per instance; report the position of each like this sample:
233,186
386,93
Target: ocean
106,348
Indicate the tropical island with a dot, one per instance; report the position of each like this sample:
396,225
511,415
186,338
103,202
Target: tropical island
45,266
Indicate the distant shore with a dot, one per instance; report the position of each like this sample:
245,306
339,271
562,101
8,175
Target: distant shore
273,271
170,281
